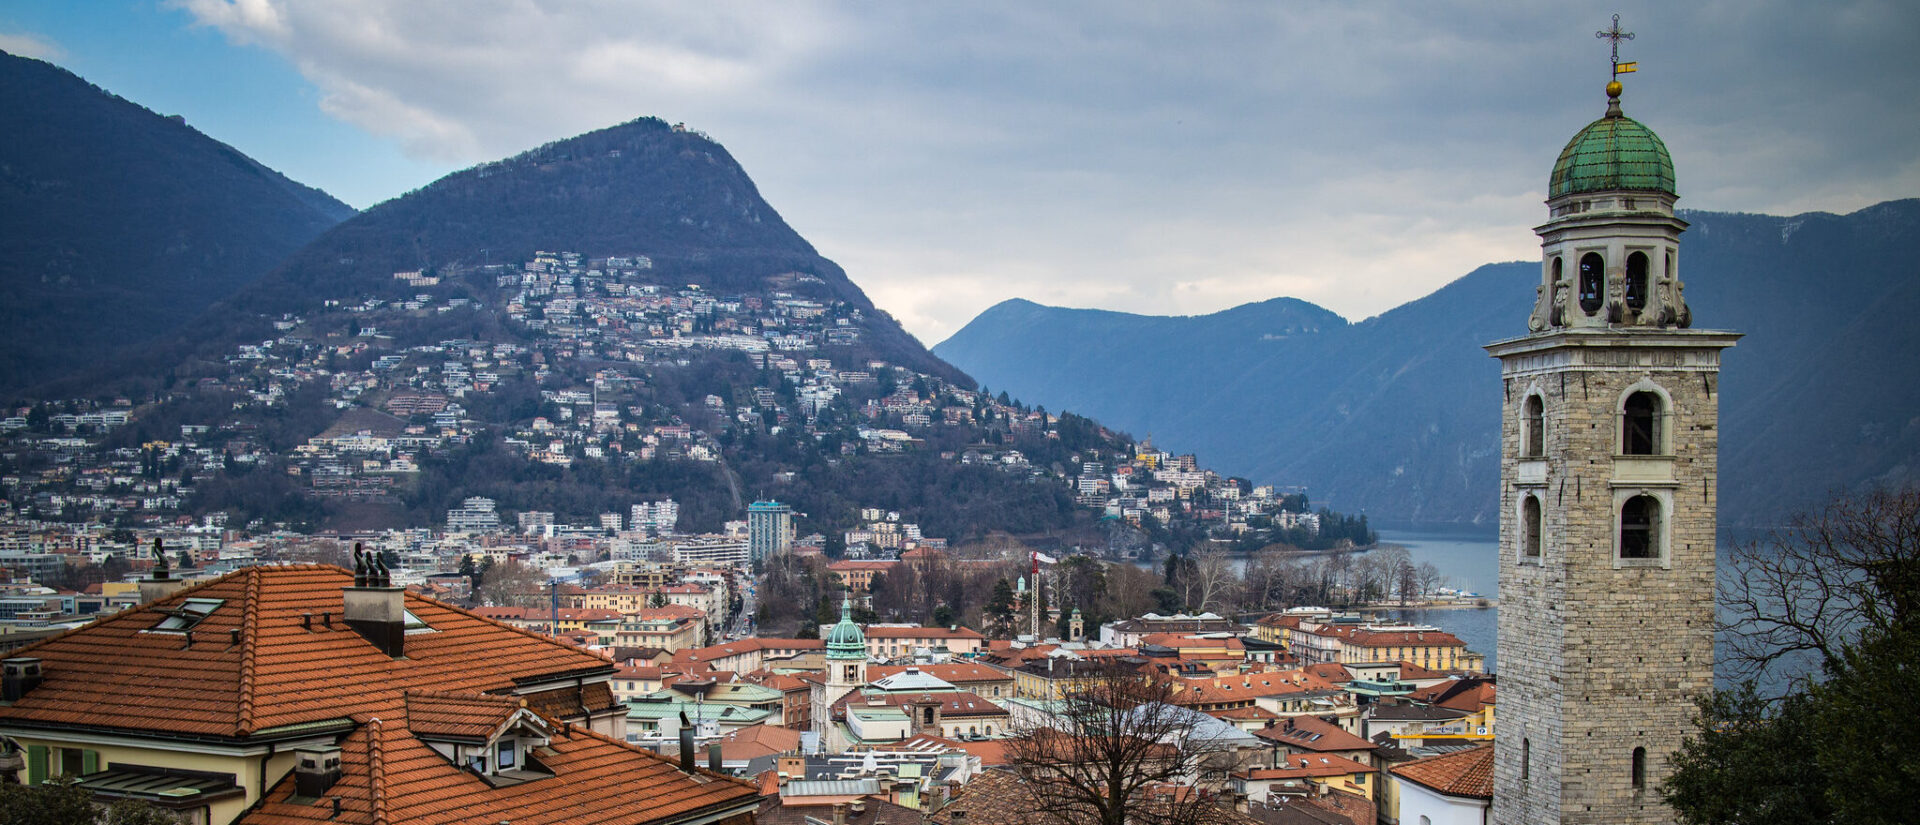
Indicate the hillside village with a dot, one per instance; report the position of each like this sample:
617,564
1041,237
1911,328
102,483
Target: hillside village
342,416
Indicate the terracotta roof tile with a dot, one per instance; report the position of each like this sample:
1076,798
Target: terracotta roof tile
1461,773
388,775
254,663
1312,733
438,714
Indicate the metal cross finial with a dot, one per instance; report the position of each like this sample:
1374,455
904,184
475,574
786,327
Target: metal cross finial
1616,35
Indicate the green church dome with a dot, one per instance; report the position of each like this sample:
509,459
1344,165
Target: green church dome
846,641
1614,152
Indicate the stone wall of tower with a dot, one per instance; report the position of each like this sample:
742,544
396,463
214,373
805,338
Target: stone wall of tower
1600,656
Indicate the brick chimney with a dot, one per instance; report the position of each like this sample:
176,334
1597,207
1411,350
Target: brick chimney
374,607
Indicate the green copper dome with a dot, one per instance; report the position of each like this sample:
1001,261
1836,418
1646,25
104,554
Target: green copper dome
1614,152
846,641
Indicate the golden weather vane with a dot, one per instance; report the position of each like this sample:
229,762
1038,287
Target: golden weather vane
1616,35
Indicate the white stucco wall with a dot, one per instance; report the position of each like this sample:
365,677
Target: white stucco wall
1417,800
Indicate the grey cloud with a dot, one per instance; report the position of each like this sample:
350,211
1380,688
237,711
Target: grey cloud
1142,156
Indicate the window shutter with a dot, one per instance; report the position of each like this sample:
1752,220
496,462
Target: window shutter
89,762
36,764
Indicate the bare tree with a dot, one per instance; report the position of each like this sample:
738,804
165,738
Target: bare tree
1396,564
1119,752
1428,578
1129,590
1266,578
1797,597
512,584
1211,583
1373,576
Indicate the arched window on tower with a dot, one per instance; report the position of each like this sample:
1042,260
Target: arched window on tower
1640,424
1533,431
1637,280
1530,524
1526,759
1640,528
1639,769
1593,282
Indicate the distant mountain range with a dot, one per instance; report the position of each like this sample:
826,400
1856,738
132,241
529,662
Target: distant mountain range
121,223
1397,416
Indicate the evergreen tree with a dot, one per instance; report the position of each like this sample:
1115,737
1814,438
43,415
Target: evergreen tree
1000,608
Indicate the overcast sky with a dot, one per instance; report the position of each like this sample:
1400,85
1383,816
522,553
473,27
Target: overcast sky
1155,157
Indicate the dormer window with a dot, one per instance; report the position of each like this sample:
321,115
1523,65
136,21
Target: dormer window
506,751
183,618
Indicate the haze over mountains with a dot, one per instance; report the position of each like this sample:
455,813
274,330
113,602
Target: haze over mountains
1397,416
122,223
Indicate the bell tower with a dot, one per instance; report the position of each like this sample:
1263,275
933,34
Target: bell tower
846,672
1609,458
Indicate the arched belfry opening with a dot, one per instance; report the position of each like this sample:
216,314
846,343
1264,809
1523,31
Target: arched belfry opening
1637,281
1593,282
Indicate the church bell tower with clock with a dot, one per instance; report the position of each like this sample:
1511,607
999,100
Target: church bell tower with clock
1609,458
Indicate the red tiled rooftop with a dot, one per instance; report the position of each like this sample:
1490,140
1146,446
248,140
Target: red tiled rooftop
390,776
1462,773
251,664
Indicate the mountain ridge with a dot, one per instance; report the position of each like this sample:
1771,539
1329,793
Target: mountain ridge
1372,416
591,193
124,223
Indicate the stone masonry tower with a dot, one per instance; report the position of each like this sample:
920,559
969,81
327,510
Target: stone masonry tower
1609,446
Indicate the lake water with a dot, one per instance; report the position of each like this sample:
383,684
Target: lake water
1470,559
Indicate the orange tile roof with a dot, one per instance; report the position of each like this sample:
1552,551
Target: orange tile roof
952,673
1466,695
1187,640
250,665
670,612
1248,686
755,741
1403,638
1462,773
1331,671
390,776
1311,733
442,715
699,654
922,633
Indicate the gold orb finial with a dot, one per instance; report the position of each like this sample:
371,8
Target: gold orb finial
1613,88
